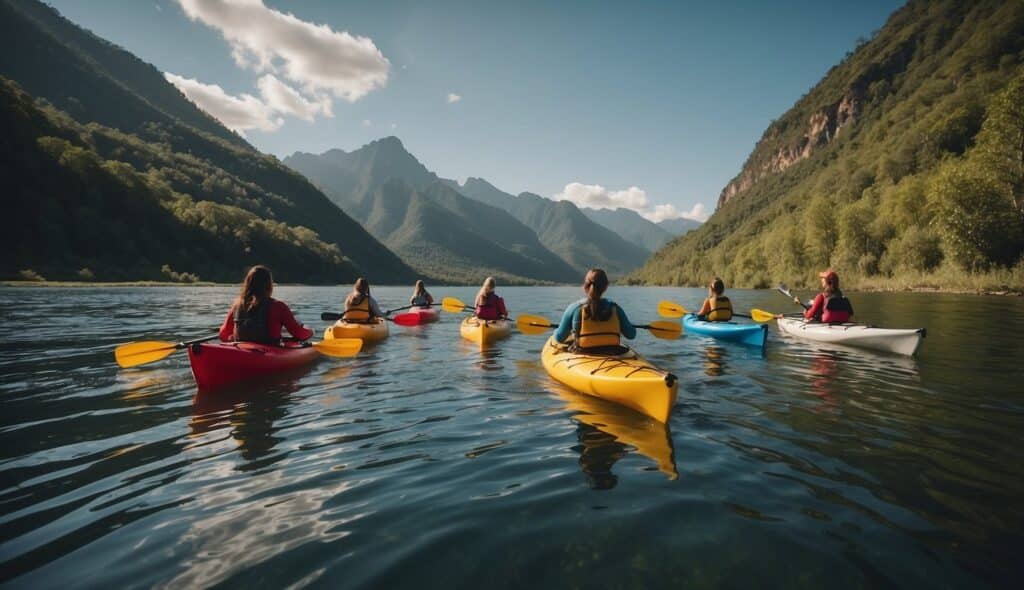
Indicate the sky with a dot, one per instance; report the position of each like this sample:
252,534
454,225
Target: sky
653,106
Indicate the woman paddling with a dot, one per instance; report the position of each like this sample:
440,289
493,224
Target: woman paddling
360,306
595,322
420,296
488,306
717,307
830,306
256,317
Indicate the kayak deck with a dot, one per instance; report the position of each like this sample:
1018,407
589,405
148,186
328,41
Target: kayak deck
897,340
215,364
373,331
625,378
484,332
750,334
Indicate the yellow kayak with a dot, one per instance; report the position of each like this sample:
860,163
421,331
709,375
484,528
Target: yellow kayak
371,331
484,332
625,378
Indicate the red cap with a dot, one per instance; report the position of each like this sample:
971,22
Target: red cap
828,275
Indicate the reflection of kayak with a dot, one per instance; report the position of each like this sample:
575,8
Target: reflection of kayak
484,332
752,334
219,363
624,378
651,439
901,341
426,314
366,331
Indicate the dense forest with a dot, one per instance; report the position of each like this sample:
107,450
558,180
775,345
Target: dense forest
112,174
902,168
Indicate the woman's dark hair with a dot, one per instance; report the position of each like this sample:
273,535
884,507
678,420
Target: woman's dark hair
256,288
595,284
717,286
832,284
360,291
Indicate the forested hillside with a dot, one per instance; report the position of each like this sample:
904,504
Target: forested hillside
903,167
122,178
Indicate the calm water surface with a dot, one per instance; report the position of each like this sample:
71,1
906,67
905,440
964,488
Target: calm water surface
424,462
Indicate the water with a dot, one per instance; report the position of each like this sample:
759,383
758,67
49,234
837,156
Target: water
424,462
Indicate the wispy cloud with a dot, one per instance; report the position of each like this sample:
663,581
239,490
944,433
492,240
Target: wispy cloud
595,196
239,113
319,63
367,122
452,97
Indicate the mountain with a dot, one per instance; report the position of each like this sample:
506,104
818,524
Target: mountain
109,151
563,229
631,226
433,227
679,225
901,167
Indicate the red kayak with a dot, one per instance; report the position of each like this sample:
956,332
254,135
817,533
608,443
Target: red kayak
219,363
426,314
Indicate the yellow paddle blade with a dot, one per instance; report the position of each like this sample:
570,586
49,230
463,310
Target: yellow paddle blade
666,330
668,309
134,354
533,325
339,347
760,315
452,305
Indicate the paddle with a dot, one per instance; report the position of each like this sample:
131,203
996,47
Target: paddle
668,309
534,325
402,319
453,305
134,354
782,288
391,311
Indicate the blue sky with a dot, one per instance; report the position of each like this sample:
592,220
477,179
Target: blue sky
643,104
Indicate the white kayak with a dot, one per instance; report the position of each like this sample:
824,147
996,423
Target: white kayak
900,341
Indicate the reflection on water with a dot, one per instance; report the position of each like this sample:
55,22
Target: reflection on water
426,461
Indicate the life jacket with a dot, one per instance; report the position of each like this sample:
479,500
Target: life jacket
721,309
838,309
359,312
420,300
254,325
489,309
598,332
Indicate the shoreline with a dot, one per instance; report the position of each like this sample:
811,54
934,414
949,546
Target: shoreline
1007,292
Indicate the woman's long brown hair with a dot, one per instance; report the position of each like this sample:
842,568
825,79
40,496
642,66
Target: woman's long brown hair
419,289
832,285
595,285
360,291
256,288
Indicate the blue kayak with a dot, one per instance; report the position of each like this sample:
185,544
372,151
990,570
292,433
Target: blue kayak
752,334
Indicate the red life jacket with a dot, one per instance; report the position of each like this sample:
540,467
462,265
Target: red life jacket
489,309
837,309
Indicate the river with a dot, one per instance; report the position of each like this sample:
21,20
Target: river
425,462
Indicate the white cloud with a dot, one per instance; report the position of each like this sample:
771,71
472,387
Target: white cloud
595,196
239,113
394,126
284,99
367,122
452,97
316,57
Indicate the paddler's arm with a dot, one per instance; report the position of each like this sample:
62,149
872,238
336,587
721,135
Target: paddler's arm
816,308
565,325
625,326
375,309
227,329
288,321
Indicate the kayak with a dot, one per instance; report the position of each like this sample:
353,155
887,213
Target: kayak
484,332
900,341
372,331
752,334
215,364
624,378
426,314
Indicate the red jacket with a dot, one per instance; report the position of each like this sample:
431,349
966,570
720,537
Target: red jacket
279,315
493,308
818,312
